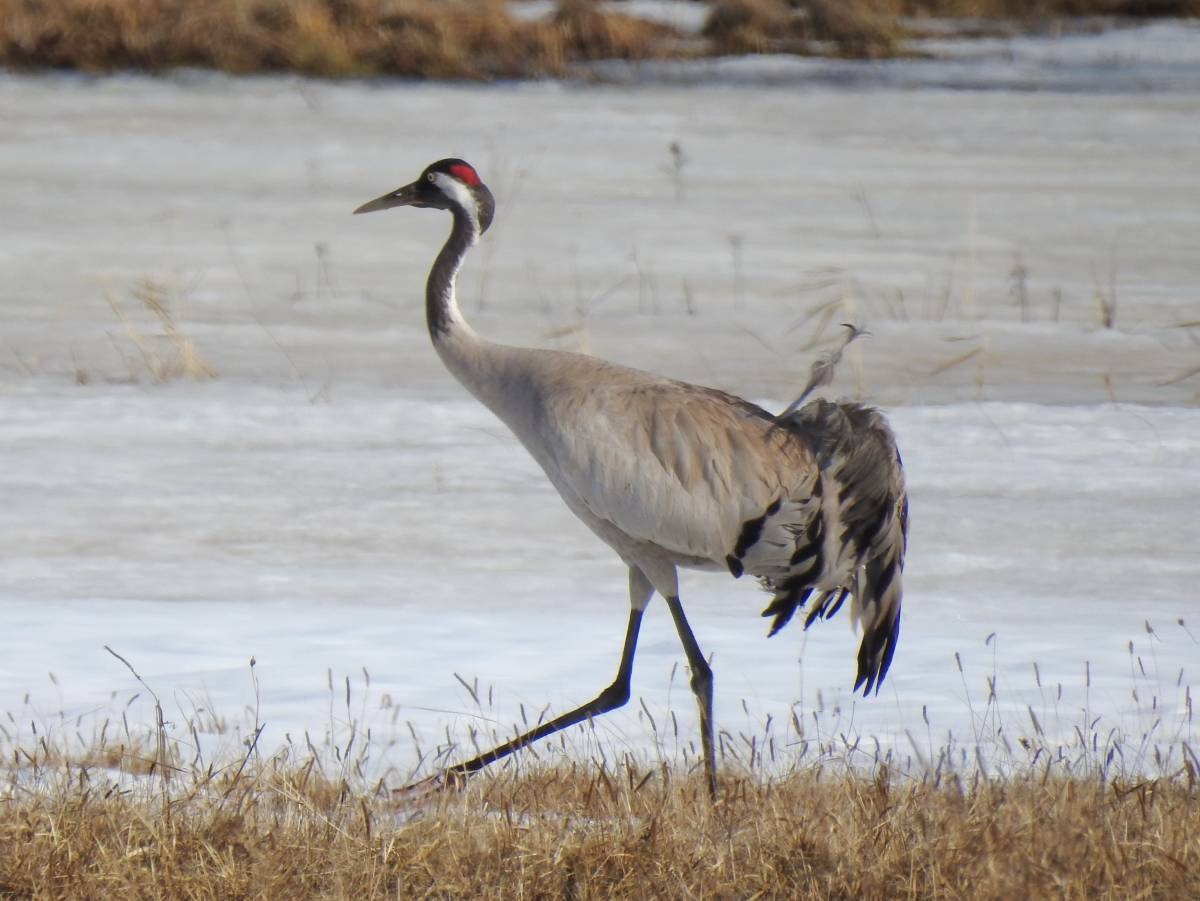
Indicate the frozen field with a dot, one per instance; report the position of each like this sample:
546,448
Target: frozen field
332,502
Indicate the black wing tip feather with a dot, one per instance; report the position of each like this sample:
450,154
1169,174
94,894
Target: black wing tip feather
875,657
784,607
827,606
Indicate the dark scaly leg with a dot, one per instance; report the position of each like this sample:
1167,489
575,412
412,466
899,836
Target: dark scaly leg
616,695
702,686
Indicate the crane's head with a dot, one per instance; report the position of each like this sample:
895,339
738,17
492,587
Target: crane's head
450,184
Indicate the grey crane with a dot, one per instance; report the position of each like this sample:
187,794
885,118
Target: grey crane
671,474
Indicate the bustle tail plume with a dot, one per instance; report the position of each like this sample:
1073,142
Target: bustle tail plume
868,524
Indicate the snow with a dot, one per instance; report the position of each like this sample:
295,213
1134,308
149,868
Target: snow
192,527
334,506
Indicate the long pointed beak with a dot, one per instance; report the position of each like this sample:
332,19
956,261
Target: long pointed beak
406,196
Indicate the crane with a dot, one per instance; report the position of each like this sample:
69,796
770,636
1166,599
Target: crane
671,474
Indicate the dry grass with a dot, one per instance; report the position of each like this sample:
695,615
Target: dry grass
750,26
158,348
1033,9
473,39
816,27
135,813
872,29
592,34
283,831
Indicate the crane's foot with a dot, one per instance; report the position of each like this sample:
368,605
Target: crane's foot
448,780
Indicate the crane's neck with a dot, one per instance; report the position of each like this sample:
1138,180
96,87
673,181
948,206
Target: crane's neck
445,319
484,368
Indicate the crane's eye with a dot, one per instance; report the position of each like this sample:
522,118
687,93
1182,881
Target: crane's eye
429,176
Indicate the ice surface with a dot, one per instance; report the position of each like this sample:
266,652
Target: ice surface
332,502
192,527
951,222
1159,57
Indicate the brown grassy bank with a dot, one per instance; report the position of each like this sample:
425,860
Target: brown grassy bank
1034,9
881,28
194,809
471,39
474,39
283,832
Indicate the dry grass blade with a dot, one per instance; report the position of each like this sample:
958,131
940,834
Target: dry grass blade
161,758
956,361
1183,376
170,354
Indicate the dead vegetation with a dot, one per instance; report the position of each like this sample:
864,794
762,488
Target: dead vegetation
825,27
1023,810
280,830
877,29
590,33
1027,10
154,346
473,39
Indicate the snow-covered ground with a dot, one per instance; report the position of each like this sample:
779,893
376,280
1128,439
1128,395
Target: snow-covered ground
332,504
192,527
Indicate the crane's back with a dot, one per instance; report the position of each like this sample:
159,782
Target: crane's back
664,462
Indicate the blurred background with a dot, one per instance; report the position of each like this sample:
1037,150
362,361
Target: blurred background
1007,190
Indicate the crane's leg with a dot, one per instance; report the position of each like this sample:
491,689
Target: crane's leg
616,695
702,687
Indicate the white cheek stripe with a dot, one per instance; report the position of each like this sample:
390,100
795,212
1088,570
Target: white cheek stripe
452,187
455,189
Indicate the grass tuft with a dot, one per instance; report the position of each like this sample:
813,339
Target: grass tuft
593,33
164,354
856,30
816,27
750,26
